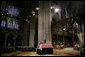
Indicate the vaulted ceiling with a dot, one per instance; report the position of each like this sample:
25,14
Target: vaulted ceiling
75,9
76,12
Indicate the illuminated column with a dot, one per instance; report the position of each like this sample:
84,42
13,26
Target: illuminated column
44,22
81,36
32,32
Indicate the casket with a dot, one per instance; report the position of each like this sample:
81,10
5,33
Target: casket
45,49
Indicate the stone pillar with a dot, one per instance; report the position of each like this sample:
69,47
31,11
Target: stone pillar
64,40
6,35
44,22
14,41
32,32
57,37
73,39
25,38
3,5
81,36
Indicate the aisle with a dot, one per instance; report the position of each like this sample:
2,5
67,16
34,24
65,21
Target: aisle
56,52
62,52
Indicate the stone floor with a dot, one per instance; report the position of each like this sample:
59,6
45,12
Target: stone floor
56,52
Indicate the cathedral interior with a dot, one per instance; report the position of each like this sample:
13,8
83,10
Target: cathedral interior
27,24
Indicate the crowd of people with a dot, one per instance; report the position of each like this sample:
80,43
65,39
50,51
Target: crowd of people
59,45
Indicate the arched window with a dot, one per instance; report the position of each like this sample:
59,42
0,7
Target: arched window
75,25
10,24
16,25
3,23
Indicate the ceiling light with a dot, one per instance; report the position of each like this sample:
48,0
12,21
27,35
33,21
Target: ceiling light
56,10
33,14
33,11
64,28
37,8
51,7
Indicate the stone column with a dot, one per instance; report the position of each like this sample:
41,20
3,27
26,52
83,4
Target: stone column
57,40
6,35
44,22
32,32
14,42
25,38
73,39
3,5
81,36
64,39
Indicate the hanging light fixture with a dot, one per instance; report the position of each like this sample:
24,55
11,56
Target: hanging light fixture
37,8
56,10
